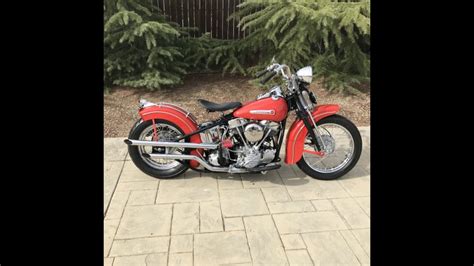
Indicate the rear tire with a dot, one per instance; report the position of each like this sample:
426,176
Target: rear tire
354,132
138,160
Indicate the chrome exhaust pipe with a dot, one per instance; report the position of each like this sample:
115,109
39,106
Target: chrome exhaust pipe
186,157
171,144
232,170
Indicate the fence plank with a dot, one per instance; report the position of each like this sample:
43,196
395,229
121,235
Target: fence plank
205,15
218,19
199,23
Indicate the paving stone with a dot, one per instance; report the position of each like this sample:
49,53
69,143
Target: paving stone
108,261
189,174
142,197
144,221
331,189
142,260
221,248
111,176
292,241
286,171
115,149
210,217
110,227
290,206
365,134
180,259
357,187
298,171
185,218
303,188
187,190
242,202
266,190
352,213
138,260
363,236
228,181
131,173
139,185
292,223
264,240
329,248
117,205
258,180
298,257
275,194
181,243
322,205
156,259
364,161
139,246
234,224
355,247
364,203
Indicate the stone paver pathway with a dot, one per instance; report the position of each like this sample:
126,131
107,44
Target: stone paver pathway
281,218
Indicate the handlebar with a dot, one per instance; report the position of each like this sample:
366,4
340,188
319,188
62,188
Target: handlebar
261,73
263,81
275,69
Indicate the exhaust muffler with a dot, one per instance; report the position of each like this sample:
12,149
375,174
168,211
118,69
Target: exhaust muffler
171,144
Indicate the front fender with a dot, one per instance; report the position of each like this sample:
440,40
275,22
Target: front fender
297,132
178,116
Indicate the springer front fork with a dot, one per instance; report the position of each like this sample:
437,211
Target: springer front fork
314,133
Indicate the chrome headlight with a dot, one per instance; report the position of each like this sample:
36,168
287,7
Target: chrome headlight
306,74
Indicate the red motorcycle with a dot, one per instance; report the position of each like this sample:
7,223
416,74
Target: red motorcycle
168,140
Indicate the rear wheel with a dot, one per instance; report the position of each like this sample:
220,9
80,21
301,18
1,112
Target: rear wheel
158,168
343,148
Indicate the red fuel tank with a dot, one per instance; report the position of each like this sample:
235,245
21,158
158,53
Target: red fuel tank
264,109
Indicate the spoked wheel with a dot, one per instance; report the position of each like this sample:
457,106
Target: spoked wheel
158,168
343,148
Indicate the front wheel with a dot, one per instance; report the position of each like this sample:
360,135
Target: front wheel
343,148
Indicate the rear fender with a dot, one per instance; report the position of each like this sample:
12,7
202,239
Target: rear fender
178,116
297,132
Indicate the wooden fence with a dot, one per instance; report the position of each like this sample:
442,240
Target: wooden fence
206,15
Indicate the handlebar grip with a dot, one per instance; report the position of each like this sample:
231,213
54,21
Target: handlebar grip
263,81
261,73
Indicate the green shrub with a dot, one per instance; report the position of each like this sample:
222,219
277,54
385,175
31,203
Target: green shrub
331,36
140,47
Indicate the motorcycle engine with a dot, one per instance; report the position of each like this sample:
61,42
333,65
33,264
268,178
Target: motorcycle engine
253,132
259,147
244,143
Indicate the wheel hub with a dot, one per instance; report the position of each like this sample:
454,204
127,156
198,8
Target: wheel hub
329,143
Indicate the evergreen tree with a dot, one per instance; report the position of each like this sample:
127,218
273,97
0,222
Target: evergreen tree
142,49
140,46
332,36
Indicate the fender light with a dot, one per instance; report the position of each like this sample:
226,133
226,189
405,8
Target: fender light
144,103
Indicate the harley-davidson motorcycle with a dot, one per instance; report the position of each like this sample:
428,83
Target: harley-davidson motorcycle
168,140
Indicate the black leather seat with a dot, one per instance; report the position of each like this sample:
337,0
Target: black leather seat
213,107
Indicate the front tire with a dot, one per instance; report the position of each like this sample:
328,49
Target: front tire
314,167
164,169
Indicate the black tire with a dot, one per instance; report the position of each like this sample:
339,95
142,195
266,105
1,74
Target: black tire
138,160
347,124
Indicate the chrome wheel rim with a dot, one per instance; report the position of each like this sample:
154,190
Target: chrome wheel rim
342,146
165,132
